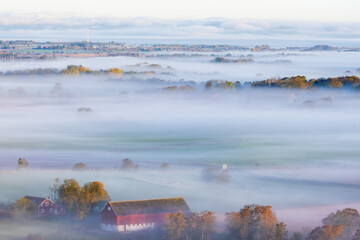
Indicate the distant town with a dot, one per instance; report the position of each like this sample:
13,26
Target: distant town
23,49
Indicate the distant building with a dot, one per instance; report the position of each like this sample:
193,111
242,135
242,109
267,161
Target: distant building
46,207
140,214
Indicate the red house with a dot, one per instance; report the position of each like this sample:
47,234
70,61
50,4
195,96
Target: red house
46,207
140,214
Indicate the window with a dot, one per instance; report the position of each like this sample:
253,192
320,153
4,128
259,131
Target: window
109,208
47,204
42,210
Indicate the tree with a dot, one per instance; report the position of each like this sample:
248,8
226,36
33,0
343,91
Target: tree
74,69
79,167
238,223
281,232
24,206
253,222
54,189
266,221
22,163
116,71
68,193
165,166
81,200
335,83
207,225
326,233
176,227
349,218
98,196
193,226
127,164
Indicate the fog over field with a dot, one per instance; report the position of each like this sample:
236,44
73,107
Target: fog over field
279,151
200,67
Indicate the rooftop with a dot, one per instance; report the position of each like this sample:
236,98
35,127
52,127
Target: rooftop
150,206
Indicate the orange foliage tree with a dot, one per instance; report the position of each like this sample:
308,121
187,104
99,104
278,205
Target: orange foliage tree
326,233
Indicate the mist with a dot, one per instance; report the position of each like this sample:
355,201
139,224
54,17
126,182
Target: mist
279,152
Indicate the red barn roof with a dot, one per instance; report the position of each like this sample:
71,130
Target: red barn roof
151,206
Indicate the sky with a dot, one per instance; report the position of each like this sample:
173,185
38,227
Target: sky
323,10
112,20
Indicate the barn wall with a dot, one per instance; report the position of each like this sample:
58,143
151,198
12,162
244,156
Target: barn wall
108,216
142,218
140,226
46,208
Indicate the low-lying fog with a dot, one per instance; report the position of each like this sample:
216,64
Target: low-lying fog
278,151
193,66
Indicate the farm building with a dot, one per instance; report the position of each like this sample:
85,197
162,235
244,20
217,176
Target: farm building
140,214
46,207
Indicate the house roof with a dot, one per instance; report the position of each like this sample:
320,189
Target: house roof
36,200
150,206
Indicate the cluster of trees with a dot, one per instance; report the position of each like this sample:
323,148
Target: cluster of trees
190,226
69,70
128,164
302,83
75,70
346,221
79,69
255,222
183,88
80,200
222,84
35,71
228,60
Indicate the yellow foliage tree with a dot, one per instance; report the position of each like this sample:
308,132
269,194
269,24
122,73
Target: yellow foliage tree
116,71
24,206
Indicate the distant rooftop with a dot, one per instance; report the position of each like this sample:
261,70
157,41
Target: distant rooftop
36,200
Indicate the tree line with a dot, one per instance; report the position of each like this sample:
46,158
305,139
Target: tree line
256,222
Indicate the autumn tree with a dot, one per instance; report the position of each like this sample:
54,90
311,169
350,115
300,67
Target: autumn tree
98,196
24,206
238,223
75,70
81,200
266,221
207,224
253,222
326,233
335,83
176,226
68,194
349,218
115,71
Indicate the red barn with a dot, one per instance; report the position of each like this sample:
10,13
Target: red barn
140,214
46,207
